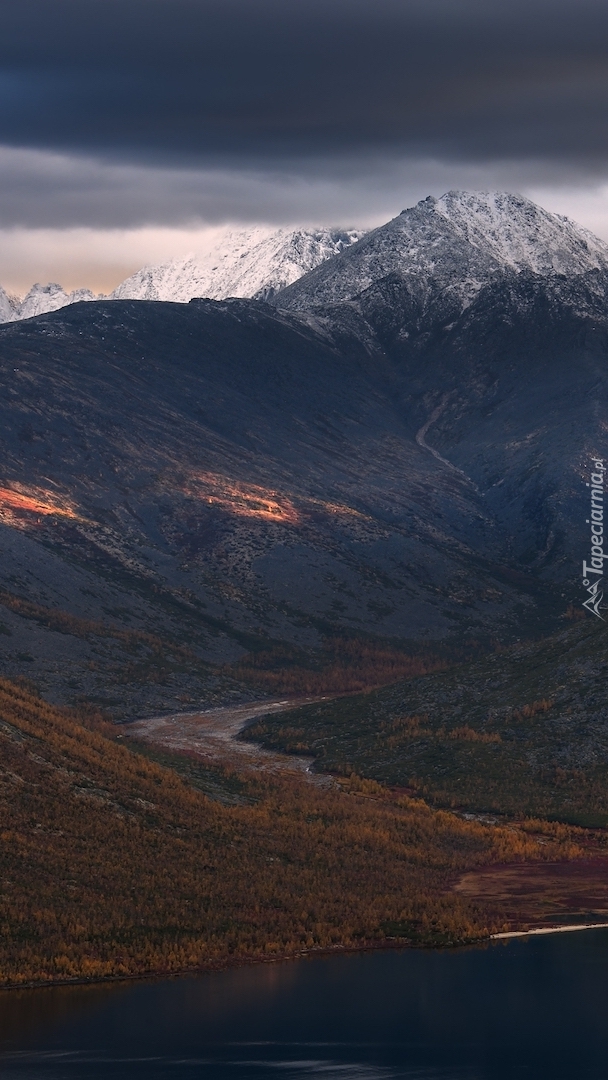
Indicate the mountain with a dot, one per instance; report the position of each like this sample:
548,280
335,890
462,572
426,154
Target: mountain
481,302
39,300
198,496
211,480
7,306
251,263
452,247
43,298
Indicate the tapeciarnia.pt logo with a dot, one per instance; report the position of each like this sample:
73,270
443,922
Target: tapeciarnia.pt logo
593,572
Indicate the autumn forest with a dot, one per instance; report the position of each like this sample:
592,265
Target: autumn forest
114,865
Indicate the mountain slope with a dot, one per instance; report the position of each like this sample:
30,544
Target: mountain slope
113,866
222,478
190,486
251,263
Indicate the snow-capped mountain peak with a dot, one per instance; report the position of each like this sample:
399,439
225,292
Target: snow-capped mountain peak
453,246
450,246
51,297
256,262
521,234
39,300
8,306
248,263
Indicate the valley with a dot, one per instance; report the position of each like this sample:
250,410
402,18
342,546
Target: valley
291,612
522,732
118,865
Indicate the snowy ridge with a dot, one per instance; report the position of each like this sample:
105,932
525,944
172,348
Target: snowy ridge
455,245
40,299
8,306
250,263
255,262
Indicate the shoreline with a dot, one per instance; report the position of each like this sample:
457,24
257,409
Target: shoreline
387,944
537,931
216,966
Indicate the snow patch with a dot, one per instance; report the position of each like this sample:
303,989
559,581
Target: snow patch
520,234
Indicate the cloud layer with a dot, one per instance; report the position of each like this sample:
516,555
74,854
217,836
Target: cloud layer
128,114
209,81
47,189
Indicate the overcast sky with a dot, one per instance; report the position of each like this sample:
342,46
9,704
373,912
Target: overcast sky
132,130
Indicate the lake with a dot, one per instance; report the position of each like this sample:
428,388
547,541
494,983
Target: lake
534,1007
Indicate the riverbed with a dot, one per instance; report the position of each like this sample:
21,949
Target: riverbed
213,736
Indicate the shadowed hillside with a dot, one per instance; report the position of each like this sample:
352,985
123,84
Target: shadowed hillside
230,479
523,732
394,459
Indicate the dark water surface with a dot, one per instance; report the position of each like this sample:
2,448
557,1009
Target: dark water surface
533,1008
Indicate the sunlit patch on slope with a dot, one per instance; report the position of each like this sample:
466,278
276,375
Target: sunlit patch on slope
22,506
247,500
243,499
337,510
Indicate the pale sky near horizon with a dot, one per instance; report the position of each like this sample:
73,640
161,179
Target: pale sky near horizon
136,131
99,259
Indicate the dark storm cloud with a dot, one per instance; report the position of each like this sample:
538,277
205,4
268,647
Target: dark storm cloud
251,82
